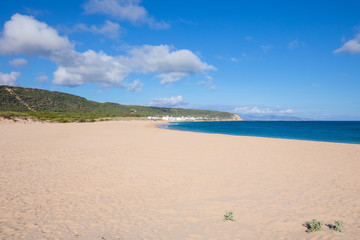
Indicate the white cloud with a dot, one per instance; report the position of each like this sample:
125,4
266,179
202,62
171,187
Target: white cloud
75,68
109,29
25,35
9,79
171,77
263,110
90,66
135,86
248,38
78,68
35,12
171,65
241,58
42,78
352,46
149,58
18,62
266,48
295,44
168,102
201,83
208,83
128,10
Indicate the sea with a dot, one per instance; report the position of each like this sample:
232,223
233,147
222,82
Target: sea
325,131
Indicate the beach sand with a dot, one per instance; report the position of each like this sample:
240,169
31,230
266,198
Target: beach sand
132,180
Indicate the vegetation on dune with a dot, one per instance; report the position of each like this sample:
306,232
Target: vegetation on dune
63,107
229,216
337,226
313,226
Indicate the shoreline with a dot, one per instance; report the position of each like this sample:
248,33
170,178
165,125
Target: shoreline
159,123
133,180
164,126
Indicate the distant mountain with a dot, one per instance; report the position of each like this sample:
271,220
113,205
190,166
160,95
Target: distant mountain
272,118
58,106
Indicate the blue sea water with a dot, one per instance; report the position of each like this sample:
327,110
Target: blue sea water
327,131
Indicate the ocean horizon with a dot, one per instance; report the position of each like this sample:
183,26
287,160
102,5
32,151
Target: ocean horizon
324,131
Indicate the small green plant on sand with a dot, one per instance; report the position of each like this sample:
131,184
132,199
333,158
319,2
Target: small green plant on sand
229,216
337,226
313,226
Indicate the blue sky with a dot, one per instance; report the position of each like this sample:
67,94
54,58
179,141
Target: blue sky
255,58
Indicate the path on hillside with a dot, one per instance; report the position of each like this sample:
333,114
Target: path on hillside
19,99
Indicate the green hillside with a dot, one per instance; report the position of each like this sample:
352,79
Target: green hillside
63,107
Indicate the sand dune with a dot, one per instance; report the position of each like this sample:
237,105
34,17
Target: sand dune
131,180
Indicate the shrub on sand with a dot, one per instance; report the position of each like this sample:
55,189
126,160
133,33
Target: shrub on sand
337,226
229,216
313,226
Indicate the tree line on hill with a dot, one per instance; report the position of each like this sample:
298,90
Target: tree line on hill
62,107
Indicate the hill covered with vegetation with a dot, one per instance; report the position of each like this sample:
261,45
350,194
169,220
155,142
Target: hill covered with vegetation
63,107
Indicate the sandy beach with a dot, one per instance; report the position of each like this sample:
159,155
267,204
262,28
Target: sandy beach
132,180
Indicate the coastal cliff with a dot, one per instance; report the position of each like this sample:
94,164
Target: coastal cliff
237,117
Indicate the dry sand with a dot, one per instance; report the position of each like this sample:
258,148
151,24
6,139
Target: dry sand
131,180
